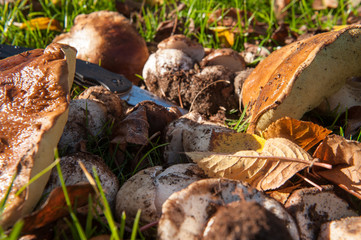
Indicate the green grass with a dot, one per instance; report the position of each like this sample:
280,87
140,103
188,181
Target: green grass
193,20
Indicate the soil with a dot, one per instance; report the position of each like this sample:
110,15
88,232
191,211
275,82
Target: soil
245,221
207,90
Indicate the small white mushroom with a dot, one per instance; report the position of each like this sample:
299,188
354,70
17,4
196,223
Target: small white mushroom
345,228
188,133
185,214
164,61
73,174
85,117
181,42
226,57
149,188
311,207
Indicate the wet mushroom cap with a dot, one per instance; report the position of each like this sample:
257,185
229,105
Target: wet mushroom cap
226,57
181,42
34,99
298,77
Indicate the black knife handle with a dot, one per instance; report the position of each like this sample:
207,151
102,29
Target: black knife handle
85,71
114,82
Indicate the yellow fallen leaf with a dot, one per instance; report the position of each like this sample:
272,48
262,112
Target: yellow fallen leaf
279,160
230,142
42,23
225,35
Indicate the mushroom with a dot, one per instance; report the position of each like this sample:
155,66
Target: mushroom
345,228
312,207
186,213
189,133
164,61
108,38
194,49
86,117
73,174
298,77
34,99
226,57
149,188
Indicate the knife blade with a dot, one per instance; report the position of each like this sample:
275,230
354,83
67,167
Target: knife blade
90,74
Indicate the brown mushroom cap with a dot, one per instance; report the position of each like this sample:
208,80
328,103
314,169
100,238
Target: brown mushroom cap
34,97
108,38
226,57
186,45
299,76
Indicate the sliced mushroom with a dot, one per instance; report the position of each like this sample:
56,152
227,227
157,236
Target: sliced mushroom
148,189
109,39
226,57
185,214
186,45
299,76
34,99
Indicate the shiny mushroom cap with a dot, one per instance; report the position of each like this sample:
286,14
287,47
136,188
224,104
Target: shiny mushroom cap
298,77
181,42
226,57
34,103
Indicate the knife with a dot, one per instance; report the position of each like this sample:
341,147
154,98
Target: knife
90,74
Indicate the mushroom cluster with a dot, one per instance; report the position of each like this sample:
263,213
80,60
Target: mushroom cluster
179,72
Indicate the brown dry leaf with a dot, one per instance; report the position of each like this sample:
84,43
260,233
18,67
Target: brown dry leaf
42,23
282,195
133,129
305,134
231,142
266,170
346,155
335,150
55,206
346,177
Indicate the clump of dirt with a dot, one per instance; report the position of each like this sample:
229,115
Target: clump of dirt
205,90
245,221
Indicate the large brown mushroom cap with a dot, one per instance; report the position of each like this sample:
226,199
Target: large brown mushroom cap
298,77
34,97
108,38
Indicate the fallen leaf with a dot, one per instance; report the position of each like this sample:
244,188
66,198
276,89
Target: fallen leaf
266,170
345,155
283,34
42,23
133,129
353,121
281,195
346,177
225,35
55,206
231,142
305,134
335,150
